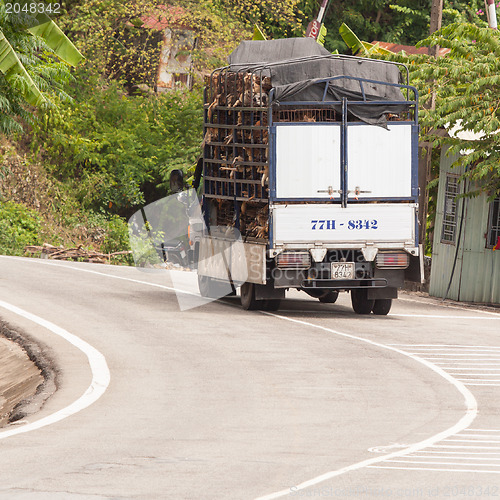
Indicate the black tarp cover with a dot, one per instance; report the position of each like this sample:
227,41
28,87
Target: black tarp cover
296,64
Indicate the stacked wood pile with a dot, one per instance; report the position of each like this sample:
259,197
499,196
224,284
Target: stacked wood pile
79,254
236,135
236,150
253,220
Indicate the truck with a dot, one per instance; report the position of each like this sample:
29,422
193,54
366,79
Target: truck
311,158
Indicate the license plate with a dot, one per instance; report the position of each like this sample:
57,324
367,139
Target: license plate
342,270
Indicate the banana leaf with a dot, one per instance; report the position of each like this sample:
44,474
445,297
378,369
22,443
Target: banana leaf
257,33
56,39
10,66
358,46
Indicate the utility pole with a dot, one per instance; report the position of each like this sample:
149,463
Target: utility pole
425,163
436,20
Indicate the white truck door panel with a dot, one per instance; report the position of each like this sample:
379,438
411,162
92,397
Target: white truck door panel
307,160
337,226
379,161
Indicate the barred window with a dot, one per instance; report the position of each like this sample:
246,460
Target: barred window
450,209
493,224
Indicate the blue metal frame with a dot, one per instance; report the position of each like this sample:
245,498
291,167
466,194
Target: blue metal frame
344,200
327,81
343,155
414,161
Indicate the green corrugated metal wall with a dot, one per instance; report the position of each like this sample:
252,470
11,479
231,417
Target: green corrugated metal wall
477,271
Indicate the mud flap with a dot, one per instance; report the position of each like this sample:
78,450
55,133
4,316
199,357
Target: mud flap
267,291
382,293
395,280
415,271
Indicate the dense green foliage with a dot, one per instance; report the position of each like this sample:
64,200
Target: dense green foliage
112,36
19,226
109,150
277,18
31,72
117,150
397,21
466,84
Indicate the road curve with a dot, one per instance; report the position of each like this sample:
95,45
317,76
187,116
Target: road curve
216,402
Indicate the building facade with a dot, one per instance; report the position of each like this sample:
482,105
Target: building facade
465,263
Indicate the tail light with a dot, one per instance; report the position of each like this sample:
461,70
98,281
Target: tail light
294,260
392,260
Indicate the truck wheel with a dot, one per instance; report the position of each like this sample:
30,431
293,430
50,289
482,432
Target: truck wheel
248,300
329,297
271,304
360,301
382,307
211,288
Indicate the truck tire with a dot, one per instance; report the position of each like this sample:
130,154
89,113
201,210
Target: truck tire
382,307
210,288
248,300
329,297
360,301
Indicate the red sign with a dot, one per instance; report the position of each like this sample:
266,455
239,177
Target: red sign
313,29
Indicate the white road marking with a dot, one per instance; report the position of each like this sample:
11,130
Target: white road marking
455,458
491,385
483,430
438,316
477,380
439,463
476,471
463,423
462,447
74,268
467,454
466,353
477,369
447,305
468,440
100,374
472,366
461,359
459,349
443,345
476,435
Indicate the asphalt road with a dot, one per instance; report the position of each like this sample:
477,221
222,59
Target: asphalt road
214,402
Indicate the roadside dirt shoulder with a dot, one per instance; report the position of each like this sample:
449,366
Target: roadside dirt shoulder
425,298
27,378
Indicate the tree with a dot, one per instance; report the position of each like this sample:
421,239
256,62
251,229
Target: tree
106,32
397,21
32,49
277,18
467,87
112,34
